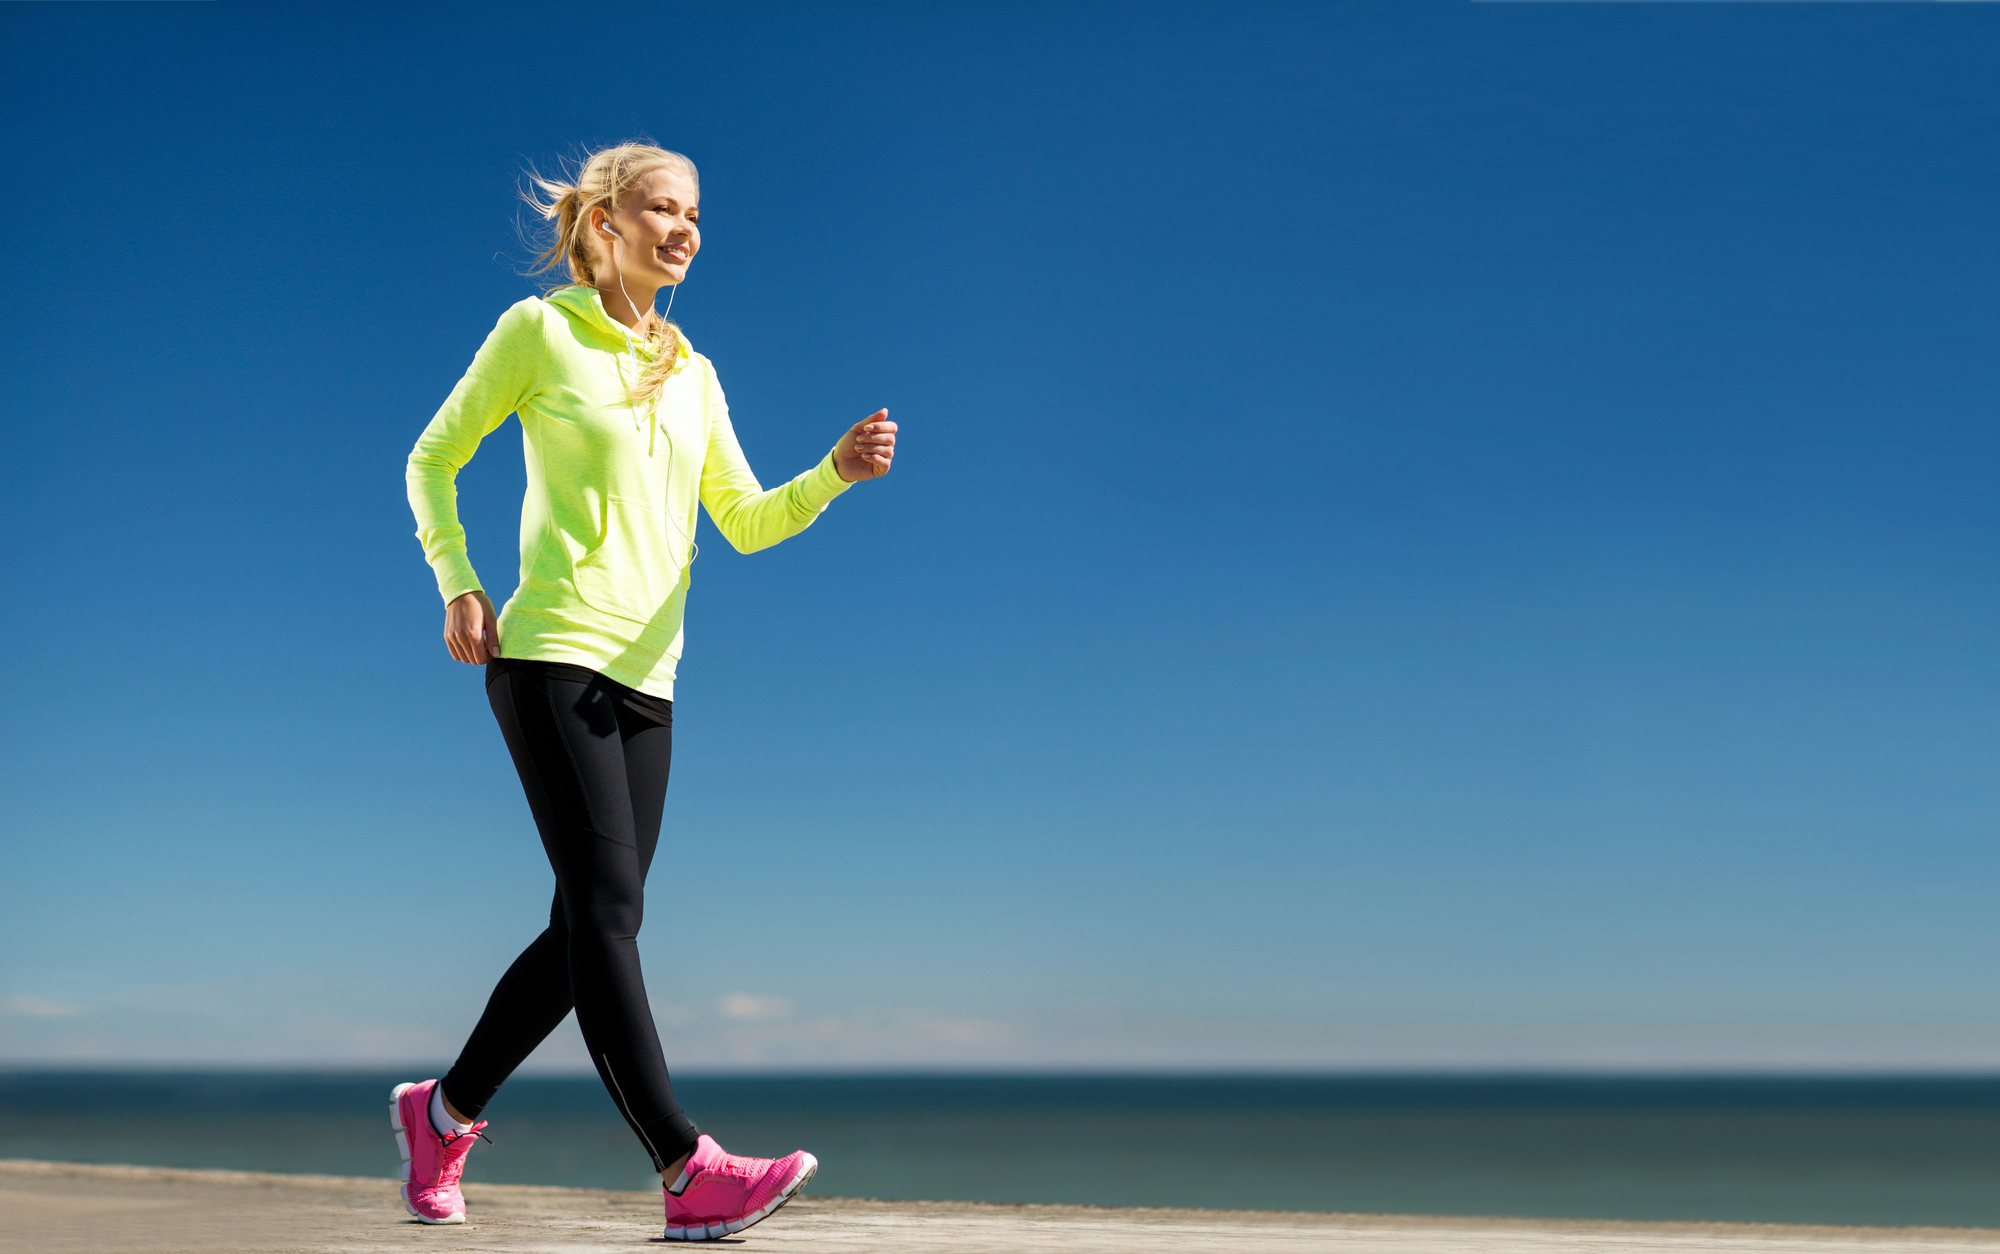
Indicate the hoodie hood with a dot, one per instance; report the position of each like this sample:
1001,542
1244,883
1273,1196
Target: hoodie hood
586,305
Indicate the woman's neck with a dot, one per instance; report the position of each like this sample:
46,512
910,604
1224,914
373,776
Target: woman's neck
631,314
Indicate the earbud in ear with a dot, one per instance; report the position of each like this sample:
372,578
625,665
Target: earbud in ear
606,228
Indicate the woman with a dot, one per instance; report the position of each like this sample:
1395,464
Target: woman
624,429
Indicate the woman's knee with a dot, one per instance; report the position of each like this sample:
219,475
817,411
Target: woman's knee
609,911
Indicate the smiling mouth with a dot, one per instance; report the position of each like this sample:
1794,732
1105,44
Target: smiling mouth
671,254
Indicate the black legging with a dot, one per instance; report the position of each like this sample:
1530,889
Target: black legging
595,770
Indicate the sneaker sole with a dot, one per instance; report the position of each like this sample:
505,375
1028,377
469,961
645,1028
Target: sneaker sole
730,1227
403,1148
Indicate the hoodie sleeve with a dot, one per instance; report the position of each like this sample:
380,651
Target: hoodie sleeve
501,376
748,515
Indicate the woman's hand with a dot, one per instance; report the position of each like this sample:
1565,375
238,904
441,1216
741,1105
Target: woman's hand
867,448
471,628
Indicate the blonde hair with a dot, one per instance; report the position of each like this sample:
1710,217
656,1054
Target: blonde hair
600,181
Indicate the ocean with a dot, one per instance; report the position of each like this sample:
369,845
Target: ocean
1840,1151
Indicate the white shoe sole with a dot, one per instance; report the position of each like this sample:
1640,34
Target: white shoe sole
715,1232
403,1148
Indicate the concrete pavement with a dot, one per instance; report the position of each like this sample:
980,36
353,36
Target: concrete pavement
57,1208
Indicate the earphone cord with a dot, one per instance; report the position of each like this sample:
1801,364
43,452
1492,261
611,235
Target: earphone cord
633,305
653,410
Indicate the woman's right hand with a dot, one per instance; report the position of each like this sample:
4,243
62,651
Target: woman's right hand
471,629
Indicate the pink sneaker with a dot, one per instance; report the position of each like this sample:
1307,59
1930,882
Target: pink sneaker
431,1163
726,1194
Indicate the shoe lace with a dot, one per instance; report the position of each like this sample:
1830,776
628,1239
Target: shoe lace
726,1167
741,1165
453,1165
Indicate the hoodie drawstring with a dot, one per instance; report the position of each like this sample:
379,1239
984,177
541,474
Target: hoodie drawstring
652,431
632,386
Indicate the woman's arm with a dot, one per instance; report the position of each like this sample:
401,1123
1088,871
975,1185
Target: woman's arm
494,386
752,517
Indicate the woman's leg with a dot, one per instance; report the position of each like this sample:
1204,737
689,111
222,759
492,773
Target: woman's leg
595,773
528,1003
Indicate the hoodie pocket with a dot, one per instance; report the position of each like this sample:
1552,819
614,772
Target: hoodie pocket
636,569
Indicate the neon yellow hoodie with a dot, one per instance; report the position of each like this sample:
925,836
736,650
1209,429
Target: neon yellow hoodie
608,522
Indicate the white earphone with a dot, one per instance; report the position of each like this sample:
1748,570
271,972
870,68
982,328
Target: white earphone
604,225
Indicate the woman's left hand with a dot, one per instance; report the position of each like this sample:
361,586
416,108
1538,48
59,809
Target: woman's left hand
867,448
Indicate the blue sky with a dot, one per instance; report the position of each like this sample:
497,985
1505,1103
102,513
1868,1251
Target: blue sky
1426,534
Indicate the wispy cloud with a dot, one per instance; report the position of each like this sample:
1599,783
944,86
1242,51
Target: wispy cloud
752,1006
862,1036
29,1007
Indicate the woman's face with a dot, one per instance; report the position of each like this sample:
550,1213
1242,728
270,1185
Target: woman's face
658,223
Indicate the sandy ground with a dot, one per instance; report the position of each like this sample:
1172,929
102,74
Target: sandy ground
72,1207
